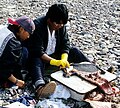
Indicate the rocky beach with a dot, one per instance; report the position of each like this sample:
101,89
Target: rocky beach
93,27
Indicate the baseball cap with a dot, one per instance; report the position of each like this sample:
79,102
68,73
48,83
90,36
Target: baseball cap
24,22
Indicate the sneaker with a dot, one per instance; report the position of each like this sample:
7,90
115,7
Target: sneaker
46,90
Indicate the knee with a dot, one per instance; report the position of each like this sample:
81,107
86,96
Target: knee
25,52
38,62
74,50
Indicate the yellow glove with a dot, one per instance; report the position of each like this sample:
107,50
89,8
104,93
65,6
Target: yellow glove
65,64
61,63
55,62
64,58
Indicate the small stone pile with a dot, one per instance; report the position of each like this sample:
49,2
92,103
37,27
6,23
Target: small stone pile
93,26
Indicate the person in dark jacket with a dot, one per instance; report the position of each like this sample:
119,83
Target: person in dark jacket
49,44
11,50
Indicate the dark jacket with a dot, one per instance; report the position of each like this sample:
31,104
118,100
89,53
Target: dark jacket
37,43
10,58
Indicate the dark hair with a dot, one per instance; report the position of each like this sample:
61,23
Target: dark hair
14,28
57,13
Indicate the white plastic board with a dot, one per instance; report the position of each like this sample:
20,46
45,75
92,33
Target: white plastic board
73,82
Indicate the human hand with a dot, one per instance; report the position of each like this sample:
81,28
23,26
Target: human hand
65,64
64,58
20,83
61,63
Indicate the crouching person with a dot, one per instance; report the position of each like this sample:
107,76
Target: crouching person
50,45
11,50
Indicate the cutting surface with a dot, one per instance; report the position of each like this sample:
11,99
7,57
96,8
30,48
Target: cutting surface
73,82
77,84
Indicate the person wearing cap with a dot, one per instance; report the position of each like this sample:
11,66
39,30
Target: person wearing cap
12,53
49,45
